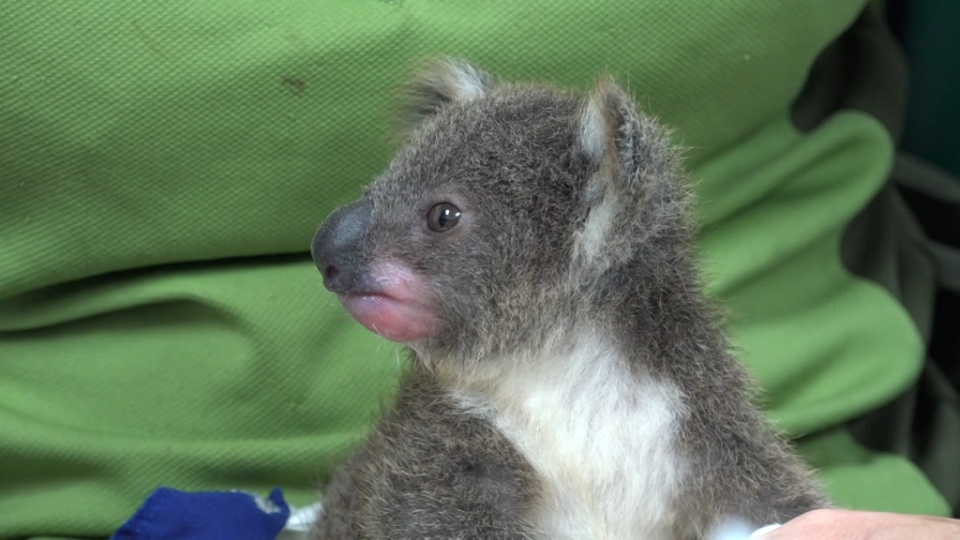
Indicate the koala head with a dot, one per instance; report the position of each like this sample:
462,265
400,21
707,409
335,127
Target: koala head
510,209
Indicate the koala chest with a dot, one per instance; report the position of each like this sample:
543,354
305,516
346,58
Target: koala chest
600,441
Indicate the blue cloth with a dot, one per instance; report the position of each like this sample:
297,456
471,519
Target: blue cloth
168,514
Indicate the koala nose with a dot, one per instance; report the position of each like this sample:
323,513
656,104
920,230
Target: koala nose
337,248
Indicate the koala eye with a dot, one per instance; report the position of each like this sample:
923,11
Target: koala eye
442,217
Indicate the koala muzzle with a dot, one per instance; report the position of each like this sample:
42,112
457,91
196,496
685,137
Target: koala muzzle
337,247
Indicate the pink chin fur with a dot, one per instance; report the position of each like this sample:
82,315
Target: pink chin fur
394,305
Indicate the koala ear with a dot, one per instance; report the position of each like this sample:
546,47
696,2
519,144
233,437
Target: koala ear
612,134
444,81
628,159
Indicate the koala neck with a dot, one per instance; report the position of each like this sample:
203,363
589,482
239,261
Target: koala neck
554,351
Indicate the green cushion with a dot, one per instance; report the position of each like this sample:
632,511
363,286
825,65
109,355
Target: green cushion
163,166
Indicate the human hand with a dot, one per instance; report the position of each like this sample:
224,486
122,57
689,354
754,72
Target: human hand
829,524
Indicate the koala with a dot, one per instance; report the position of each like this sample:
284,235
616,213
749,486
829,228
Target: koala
531,248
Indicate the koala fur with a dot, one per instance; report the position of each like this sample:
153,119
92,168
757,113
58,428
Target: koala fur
568,378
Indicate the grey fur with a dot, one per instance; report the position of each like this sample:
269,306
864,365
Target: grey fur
517,271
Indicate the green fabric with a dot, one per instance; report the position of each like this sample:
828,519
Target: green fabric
164,165
850,475
798,314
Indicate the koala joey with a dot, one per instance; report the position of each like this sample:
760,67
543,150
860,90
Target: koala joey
532,249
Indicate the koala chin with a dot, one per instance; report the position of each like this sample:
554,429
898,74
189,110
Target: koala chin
531,246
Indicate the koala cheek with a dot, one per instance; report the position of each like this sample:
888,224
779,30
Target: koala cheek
395,303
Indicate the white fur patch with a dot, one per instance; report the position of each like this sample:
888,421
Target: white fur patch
469,84
600,438
600,220
593,131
